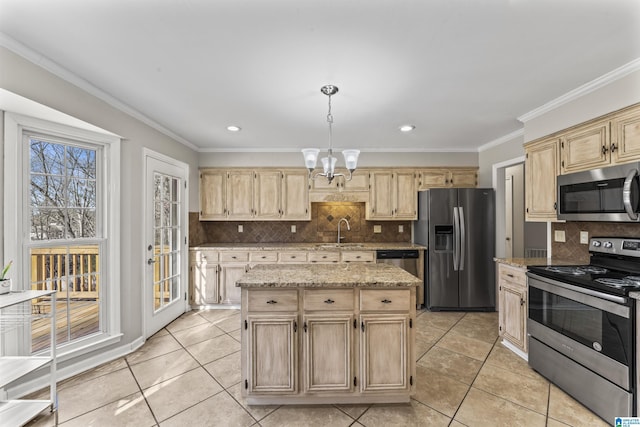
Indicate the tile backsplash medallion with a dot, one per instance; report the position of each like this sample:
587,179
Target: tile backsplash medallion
573,250
323,227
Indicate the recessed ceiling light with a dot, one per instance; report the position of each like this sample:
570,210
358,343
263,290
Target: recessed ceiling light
234,128
407,128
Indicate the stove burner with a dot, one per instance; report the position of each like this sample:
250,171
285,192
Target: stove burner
575,271
618,283
593,269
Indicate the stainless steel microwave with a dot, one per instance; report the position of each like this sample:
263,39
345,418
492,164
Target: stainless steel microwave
608,194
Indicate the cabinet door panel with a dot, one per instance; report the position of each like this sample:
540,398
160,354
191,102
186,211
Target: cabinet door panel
541,170
328,353
434,178
267,192
406,196
381,202
295,195
464,178
240,194
513,312
229,274
213,195
273,361
384,350
625,137
585,148
205,284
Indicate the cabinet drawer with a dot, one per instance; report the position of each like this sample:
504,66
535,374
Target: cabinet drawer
385,299
205,257
328,299
324,256
512,274
358,256
234,256
270,300
263,256
293,256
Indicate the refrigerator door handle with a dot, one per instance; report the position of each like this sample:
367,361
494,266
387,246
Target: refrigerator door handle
463,238
456,240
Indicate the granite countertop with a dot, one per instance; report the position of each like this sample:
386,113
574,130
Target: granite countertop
526,262
635,295
307,246
344,275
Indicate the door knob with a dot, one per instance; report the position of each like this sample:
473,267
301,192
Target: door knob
150,261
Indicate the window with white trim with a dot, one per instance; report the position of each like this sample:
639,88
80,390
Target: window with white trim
66,237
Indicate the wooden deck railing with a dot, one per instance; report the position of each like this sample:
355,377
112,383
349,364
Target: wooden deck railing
76,272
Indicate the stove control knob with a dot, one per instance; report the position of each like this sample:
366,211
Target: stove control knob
608,244
596,243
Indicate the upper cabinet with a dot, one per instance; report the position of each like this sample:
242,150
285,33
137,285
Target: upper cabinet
359,182
447,178
541,170
613,139
245,194
602,142
392,195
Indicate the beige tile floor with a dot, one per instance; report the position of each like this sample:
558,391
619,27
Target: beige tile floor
189,374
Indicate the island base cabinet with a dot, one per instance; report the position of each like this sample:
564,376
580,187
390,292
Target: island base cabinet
273,359
385,352
328,353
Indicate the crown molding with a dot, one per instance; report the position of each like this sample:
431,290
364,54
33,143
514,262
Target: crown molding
580,91
362,150
67,75
499,141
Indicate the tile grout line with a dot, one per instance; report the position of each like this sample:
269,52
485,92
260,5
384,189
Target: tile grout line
142,392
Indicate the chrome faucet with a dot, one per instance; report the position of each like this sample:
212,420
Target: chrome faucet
340,223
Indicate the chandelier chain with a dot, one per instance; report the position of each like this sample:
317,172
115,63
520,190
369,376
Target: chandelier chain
330,121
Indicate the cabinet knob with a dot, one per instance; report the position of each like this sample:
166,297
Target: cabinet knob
329,301
604,149
521,301
386,301
271,301
613,147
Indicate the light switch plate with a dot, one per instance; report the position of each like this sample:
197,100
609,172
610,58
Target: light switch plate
401,229
293,229
240,228
559,236
377,229
584,237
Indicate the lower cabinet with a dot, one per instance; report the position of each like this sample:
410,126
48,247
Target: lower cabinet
354,345
229,274
512,288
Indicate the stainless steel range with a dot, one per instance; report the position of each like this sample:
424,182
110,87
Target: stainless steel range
582,326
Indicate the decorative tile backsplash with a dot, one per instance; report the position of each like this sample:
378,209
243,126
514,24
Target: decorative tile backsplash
323,227
573,250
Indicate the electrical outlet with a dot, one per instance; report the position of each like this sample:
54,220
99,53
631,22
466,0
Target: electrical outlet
401,229
559,236
240,228
584,237
377,229
293,228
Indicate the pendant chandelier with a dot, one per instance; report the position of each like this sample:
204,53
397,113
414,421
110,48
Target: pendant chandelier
329,162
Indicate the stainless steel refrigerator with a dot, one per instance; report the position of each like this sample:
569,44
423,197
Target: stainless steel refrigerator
458,227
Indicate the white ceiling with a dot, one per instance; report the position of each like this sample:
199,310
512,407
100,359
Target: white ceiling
461,71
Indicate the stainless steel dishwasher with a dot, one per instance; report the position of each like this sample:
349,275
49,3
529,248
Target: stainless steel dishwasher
407,259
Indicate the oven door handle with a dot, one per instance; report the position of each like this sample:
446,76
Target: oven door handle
626,194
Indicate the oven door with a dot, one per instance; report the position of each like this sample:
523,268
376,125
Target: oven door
591,328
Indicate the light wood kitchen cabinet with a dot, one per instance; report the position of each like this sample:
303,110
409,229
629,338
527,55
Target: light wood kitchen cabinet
328,352
295,195
204,282
541,171
267,194
240,194
213,194
393,195
352,343
447,178
512,289
585,147
233,265
625,136
359,182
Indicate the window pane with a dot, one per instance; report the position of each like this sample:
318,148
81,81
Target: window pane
82,223
81,162
46,157
82,193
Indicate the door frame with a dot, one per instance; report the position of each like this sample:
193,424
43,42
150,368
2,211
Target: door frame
147,311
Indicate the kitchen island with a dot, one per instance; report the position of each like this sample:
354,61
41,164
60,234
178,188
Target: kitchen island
328,333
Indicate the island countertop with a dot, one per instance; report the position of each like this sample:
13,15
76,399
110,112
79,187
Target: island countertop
344,275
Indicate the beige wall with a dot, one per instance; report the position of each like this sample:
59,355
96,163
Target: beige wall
28,80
